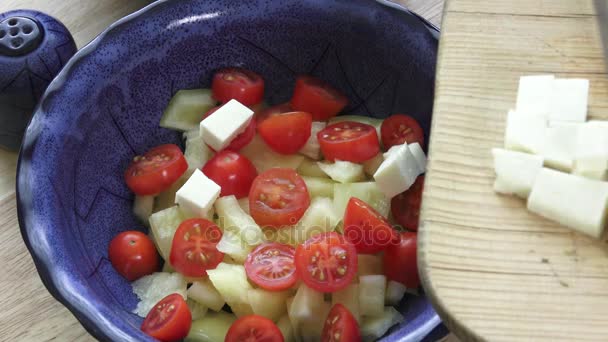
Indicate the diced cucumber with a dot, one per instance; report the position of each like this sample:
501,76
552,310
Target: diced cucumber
241,309
244,204
377,123
231,282
394,292
197,153
211,328
311,330
349,297
167,267
372,289
163,225
312,149
143,207
368,192
372,328
197,309
371,166
293,319
233,218
263,158
231,244
319,187
156,286
343,171
308,311
284,324
320,217
195,133
310,168
270,304
369,264
205,293
186,109
166,199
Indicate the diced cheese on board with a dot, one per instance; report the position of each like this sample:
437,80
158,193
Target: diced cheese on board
525,132
312,149
221,127
419,155
569,100
560,145
534,94
198,194
591,154
398,172
573,201
515,171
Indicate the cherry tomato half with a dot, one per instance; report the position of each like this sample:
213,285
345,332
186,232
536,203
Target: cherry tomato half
194,247
405,207
400,261
286,133
156,171
278,197
349,141
365,228
340,326
239,84
318,98
326,262
233,172
278,109
241,140
400,128
271,266
254,328
169,320
133,255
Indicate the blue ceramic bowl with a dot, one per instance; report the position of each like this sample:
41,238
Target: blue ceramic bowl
104,107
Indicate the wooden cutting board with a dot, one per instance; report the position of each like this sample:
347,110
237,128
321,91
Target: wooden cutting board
494,271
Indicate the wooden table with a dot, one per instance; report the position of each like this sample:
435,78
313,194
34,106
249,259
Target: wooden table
29,312
494,271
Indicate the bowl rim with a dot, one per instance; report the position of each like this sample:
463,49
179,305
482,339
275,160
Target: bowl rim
24,193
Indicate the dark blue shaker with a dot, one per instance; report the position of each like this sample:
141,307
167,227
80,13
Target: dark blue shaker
33,49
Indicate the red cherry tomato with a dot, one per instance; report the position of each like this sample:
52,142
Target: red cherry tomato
340,326
253,328
405,207
169,320
349,141
194,247
241,140
271,266
278,197
400,261
286,133
318,98
156,171
400,128
326,262
239,84
366,228
133,255
233,172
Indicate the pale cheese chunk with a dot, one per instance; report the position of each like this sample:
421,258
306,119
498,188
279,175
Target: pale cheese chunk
560,145
515,171
198,194
534,94
569,100
418,153
591,152
573,201
398,172
525,132
221,127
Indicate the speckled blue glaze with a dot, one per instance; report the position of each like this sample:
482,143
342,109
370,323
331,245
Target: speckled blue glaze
104,107
24,78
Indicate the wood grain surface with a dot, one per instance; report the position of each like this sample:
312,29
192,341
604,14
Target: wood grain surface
29,312
494,271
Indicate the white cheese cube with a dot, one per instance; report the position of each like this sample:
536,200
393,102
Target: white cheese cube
312,149
573,201
569,100
560,145
515,171
525,132
418,153
196,197
219,128
534,94
591,153
398,172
